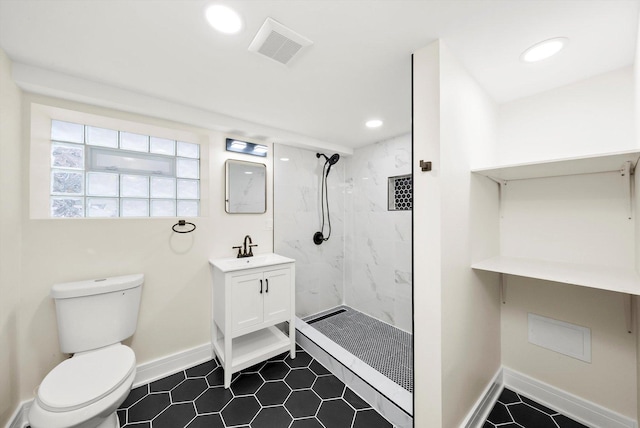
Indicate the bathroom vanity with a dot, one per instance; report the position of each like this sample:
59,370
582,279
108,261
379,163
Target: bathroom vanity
251,296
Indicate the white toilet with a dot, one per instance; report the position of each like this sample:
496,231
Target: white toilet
93,317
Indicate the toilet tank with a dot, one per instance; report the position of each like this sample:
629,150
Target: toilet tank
97,312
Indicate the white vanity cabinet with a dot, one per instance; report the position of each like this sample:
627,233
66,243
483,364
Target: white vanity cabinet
250,297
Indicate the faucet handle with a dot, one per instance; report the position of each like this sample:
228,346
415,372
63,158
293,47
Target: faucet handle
239,248
251,249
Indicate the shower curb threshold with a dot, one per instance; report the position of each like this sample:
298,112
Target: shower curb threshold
391,400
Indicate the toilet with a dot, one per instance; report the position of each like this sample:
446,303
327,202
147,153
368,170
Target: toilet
85,390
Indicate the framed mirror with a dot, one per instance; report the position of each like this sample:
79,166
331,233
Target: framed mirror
246,187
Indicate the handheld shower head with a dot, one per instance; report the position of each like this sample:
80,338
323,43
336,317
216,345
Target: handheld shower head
332,161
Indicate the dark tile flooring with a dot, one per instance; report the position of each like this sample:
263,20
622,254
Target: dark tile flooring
513,410
279,393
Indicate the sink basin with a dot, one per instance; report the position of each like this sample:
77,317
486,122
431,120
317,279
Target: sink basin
257,261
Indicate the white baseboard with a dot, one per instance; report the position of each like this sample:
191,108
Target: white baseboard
145,373
162,367
577,408
480,410
19,417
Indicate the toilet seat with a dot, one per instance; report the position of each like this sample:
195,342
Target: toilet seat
86,378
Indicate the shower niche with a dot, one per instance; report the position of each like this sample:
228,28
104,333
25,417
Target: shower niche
400,193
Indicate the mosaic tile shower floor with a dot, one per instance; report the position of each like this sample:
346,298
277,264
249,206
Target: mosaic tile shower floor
279,393
513,410
387,349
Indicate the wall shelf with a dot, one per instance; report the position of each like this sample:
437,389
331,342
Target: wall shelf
622,280
554,168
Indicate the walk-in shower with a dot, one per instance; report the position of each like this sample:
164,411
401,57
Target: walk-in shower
353,292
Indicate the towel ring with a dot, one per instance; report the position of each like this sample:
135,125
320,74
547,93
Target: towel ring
183,223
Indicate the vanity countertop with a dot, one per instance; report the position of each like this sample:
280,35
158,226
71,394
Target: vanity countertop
259,260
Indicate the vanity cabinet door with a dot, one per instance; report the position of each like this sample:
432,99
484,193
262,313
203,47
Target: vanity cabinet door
277,296
247,293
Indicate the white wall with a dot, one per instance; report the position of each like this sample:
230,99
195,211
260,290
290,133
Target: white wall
588,117
573,219
469,223
427,258
10,238
378,241
175,308
457,315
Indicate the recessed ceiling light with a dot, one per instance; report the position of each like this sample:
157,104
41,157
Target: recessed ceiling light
224,19
544,49
373,123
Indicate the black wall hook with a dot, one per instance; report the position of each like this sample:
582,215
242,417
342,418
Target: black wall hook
183,223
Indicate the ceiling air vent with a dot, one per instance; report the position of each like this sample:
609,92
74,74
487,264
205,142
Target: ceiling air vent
278,42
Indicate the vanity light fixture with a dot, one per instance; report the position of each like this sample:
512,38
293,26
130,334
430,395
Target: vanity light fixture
240,145
544,49
284,159
223,19
247,148
373,123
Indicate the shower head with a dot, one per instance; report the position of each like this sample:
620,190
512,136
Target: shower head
332,161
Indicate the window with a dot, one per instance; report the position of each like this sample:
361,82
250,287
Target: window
99,172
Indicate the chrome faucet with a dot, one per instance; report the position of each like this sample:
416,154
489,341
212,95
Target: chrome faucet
242,249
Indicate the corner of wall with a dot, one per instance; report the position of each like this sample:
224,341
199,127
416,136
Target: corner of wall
10,238
470,231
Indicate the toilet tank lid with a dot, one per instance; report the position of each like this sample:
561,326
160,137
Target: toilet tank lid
90,287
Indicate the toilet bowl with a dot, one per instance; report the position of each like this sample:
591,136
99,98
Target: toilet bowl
86,390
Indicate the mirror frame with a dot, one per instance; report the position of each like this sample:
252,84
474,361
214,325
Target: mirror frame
227,196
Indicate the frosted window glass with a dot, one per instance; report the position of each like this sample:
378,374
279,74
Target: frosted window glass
134,186
135,142
162,146
67,207
188,208
163,208
102,207
188,189
102,137
102,184
127,162
188,150
67,182
67,156
187,168
67,131
163,187
134,207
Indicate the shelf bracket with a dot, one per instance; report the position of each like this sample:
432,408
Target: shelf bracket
626,171
629,312
501,186
503,289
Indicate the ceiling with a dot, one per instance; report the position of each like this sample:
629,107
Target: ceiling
358,67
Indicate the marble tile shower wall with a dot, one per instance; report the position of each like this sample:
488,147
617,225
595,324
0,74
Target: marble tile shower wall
319,268
378,241
367,262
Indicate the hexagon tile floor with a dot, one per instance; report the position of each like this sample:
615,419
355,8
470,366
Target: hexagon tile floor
279,393
513,410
